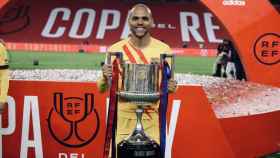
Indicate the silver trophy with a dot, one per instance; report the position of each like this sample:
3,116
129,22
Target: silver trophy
140,85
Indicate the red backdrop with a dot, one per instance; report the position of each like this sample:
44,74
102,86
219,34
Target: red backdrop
40,114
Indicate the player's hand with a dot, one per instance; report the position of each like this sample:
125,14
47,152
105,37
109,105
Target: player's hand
2,107
107,71
172,85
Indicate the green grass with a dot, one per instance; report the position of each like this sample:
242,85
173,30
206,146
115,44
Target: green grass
194,65
58,60
24,60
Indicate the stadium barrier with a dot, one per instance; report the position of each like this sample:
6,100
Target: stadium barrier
67,120
91,48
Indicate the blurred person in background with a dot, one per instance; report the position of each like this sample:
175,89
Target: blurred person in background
4,76
228,63
230,69
219,67
233,56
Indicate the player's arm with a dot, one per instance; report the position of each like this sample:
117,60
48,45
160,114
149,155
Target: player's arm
106,70
4,77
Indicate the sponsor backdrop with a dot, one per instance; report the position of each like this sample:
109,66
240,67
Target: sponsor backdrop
256,35
47,119
84,22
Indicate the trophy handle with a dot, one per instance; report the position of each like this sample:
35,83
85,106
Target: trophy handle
172,56
109,57
116,54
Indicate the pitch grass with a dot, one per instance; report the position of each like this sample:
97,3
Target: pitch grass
58,60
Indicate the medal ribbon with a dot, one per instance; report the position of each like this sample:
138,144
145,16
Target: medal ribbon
166,75
112,115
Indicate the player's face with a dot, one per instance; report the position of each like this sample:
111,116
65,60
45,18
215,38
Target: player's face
140,22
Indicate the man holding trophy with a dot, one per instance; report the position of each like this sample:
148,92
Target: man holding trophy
141,54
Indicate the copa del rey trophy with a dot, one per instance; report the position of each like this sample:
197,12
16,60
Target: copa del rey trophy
140,86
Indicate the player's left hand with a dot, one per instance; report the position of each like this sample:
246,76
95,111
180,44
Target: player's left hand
172,85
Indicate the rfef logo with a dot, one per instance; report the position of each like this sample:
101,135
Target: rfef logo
234,2
73,121
267,49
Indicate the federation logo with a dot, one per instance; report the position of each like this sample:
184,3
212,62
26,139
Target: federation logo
267,49
73,121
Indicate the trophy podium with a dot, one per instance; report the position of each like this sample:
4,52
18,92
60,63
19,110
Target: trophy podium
140,86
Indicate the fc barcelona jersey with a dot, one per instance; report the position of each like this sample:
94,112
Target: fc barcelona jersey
140,56
131,54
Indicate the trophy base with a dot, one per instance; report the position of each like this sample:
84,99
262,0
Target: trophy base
146,149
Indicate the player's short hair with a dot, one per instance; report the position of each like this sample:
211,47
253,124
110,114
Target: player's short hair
140,5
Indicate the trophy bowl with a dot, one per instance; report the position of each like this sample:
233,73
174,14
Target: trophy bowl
140,83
